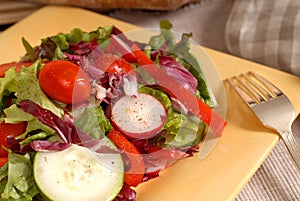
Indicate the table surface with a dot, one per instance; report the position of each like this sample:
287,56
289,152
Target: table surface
229,65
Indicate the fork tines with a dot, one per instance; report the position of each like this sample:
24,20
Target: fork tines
270,105
253,88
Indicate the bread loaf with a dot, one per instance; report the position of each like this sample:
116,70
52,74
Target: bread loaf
121,4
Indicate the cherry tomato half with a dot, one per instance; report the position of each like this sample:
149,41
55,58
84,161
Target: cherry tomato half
8,131
135,174
6,66
64,81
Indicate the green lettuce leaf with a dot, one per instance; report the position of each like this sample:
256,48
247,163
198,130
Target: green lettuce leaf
53,47
182,131
101,34
19,183
94,122
165,37
181,52
32,124
159,95
25,86
51,50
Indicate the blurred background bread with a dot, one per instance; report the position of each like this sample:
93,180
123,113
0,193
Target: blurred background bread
120,4
14,10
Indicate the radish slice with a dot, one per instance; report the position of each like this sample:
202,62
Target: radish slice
139,116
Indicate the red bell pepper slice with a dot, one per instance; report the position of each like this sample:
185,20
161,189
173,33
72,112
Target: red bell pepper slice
3,161
188,99
6,66
135,174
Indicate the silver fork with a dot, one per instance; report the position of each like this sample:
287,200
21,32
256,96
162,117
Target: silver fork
270,105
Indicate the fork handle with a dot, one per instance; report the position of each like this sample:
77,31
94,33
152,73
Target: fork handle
292,146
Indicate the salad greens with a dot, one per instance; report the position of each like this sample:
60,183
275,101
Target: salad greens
17,182
181,53
21,94
97,127
53,47
24,86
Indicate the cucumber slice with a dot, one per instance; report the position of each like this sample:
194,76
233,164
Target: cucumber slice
78,173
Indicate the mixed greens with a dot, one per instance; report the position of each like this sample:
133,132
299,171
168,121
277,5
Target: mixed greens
120,72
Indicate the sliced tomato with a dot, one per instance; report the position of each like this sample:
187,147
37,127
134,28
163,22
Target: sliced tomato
18,65
135,174
3,161
119,66
64,81
105,60
9,131
188,99
113,64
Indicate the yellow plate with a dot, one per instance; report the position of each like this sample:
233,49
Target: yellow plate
241,150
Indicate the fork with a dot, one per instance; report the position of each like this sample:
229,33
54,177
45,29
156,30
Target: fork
270,105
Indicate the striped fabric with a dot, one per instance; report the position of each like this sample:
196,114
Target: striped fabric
276,180
267,32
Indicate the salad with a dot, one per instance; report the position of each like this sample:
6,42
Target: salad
91,115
